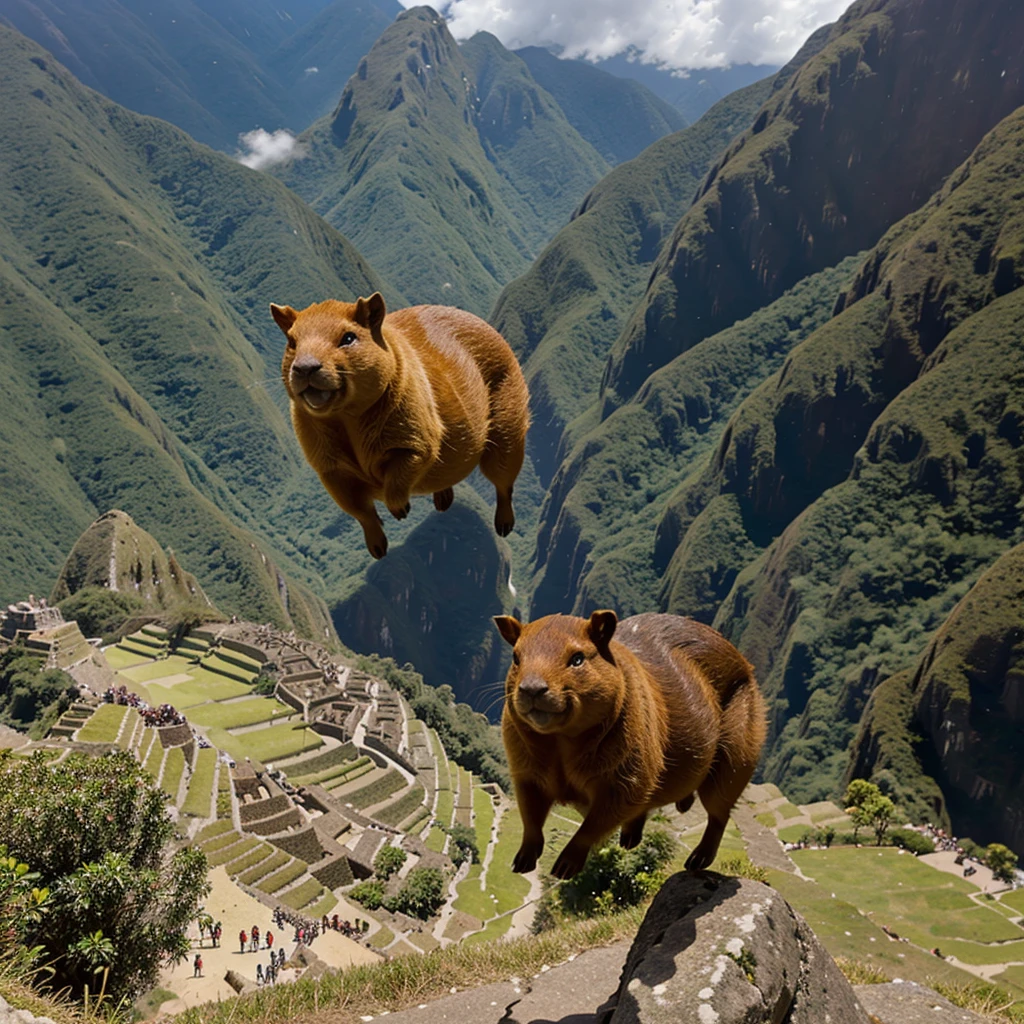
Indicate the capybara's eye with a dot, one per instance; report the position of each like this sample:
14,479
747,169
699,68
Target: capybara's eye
577,659
348,338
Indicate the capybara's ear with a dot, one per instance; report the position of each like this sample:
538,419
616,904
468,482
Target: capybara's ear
370,313
509,628
284,316
601,627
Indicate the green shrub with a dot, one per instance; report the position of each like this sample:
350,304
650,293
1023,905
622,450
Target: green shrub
910,840
369,893
421,896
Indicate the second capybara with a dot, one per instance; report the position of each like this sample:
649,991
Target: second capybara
387,405
618,719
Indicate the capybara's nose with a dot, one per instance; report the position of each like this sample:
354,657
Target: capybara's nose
305,365
533,686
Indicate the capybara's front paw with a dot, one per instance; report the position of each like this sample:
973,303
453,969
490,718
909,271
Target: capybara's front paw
398,510
526,858
376,542
443,499
701,858
632,833
570,862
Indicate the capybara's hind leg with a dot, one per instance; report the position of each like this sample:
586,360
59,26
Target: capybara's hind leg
632,832
443,499
506,446
719,793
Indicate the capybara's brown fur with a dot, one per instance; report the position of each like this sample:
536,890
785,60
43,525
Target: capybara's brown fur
620,721
387,405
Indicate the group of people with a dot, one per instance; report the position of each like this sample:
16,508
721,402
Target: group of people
347,928
215,933
252,940
306,930
163,714
944,841
268,975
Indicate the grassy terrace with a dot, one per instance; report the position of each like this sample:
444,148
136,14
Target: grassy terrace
155,757
104,724
198,801
276,741
202,687
119,659
149,670
264,867
400,809
234,851
373,792
279,879
236,714
929,907
303,894
174,767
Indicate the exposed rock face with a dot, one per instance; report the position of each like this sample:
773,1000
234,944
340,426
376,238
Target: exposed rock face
719,950
909,1003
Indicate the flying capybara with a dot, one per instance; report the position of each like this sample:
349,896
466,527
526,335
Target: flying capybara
618,722
387,405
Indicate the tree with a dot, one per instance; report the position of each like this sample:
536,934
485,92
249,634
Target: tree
421,896
1002,860
858,791
96,831
369,893
388,861
881,809
859,802
463,845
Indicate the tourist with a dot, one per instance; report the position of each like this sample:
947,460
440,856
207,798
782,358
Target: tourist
259,975
270,939
216,934
197,966
242,940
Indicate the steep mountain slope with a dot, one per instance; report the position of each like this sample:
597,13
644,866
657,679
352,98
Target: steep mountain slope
956,717
902,92
403,168
883,456
135,267
170,60
563,314
315,61
115,553
619,117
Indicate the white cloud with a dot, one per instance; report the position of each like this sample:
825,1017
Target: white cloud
261,148
676,33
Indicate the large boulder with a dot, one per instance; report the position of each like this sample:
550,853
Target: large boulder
718,950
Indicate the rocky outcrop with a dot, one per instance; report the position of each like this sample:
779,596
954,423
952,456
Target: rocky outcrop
728,951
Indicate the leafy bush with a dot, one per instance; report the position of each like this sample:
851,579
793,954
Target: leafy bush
29,694
910,840
96,830
100,612
421,896
614,878
370,894
1002,861
463,845
389,860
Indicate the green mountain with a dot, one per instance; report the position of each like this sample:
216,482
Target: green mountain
136,265
947,732
860,136
314,62
114,553
449,172
563,314
619,117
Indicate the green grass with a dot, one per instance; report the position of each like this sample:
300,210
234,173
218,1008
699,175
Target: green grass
265,745
174,767
214,829
119,659
788,810
793,833
201,689
155,757
279,879
325,905
255,854
767,818
198,801
507,888
247,845
172,665
382,938
303,894
930,907
339,774
104,724
400,809
1014,900
239,713
222,842
263,868
373,792
436,839
483,818
445,806
348,775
